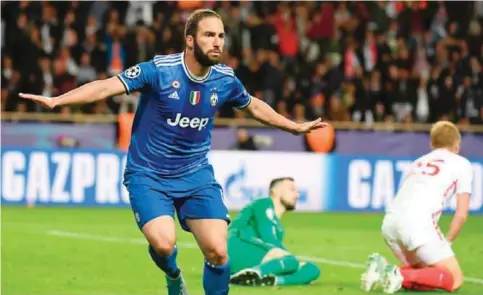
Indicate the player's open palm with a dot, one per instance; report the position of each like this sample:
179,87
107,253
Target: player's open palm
307,127
45,101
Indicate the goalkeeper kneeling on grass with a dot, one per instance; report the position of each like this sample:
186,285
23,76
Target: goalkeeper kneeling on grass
257,254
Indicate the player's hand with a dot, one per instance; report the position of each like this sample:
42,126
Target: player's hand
307,127
45,101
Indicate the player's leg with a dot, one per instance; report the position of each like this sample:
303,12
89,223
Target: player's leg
256,263
161,235
438,269
306,273
246,253
210,234
278,267
451,264
376,271
274,253
206,216
287,269
381,275
154,212
277,262
430,266
372,277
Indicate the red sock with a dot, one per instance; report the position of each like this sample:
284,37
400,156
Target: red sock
428,278
406,284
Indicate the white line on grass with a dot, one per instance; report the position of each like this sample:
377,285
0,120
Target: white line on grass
84,236
141,241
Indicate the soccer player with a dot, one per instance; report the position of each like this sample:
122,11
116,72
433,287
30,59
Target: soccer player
255,242
167,168
410,226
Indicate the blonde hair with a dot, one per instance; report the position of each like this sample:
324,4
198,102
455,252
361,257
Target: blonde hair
444,134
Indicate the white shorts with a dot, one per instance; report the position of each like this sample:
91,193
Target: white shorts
416,243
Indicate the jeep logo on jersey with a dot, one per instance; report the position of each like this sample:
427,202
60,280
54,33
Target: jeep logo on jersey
185,122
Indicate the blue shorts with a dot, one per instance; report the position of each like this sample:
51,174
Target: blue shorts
193,196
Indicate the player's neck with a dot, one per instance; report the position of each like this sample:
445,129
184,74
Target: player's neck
193,66
279,209
447,149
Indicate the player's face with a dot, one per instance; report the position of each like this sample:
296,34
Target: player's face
209,41
289,195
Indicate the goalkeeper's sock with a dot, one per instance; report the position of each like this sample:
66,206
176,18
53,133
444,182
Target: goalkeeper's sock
305,274
285,264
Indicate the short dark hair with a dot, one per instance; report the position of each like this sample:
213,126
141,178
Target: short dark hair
194,19
276,181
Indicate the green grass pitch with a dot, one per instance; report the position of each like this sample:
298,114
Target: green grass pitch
68,251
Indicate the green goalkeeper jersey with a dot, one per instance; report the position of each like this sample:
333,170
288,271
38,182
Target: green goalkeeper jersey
258,220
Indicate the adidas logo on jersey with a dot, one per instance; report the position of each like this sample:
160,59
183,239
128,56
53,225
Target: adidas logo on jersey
174,95
186,122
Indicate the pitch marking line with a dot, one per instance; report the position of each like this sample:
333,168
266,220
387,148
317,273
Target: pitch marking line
140,241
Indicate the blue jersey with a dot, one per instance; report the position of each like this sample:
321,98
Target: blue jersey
171,132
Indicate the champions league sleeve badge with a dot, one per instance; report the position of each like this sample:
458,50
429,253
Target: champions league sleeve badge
133,72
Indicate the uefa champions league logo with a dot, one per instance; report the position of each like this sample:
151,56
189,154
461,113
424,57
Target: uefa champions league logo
133,72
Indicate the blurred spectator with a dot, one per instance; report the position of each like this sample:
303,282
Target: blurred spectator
65,141
86,72
244,141
365,61
254,142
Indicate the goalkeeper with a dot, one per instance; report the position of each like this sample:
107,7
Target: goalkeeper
257,254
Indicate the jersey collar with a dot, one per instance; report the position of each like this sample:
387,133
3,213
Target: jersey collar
196,79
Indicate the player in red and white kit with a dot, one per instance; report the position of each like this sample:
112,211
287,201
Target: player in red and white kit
410,226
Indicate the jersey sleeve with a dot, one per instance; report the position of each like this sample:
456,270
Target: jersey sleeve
239,96
263,216
139,77
465,179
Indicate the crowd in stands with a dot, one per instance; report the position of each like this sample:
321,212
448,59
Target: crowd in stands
399,61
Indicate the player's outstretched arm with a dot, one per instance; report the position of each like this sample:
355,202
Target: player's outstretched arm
460,216
265,114
90,92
